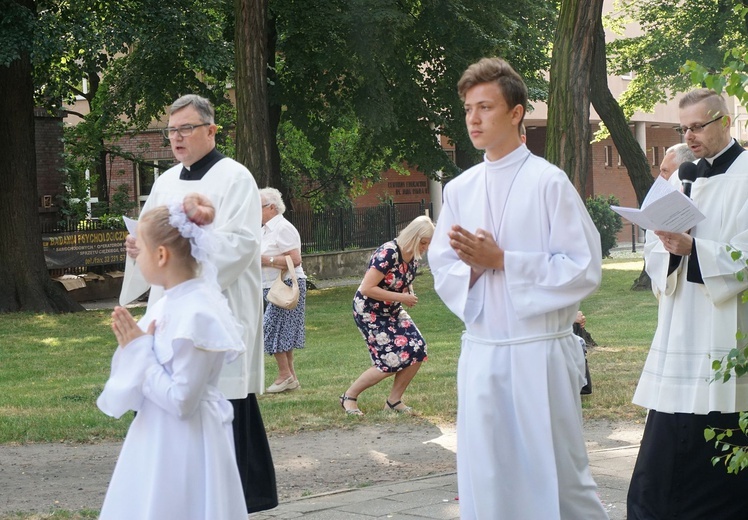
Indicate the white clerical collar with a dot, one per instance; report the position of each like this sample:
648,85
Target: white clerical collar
516,155
710,160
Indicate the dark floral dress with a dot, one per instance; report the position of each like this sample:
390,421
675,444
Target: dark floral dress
393,339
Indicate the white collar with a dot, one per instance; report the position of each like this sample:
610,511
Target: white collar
710,160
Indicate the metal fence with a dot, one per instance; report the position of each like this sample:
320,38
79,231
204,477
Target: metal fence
341,229
336,229
78,225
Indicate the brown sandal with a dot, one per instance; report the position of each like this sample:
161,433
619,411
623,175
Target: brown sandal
352,411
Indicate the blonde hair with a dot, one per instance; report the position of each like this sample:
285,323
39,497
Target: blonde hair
715,103
409,238
156,230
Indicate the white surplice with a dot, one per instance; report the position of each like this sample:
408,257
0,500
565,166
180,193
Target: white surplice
178,458
237,228
696,323
521,452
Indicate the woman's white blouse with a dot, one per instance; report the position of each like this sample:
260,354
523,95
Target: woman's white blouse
279,236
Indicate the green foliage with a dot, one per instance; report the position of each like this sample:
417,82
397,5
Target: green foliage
607,221
732,78
736,361
395,66
111,221
72,201
378,74
121,204
135,59
672,32
334,175
16,31
734,456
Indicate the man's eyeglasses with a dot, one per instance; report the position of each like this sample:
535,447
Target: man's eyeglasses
170,132
696,128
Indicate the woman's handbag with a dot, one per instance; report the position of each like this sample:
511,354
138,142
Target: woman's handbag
280,294
578,332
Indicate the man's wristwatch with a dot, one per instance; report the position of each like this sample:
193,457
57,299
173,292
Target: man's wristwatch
271,260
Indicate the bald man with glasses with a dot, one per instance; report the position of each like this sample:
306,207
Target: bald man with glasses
700,311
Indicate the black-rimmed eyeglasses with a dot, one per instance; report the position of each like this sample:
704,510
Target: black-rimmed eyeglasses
171,132
696,128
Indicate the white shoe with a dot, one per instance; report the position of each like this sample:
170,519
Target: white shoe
288,384
295,385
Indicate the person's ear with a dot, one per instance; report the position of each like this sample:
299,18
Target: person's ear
517,113
163,256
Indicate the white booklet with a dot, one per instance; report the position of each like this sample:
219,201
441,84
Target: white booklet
130,224
664,209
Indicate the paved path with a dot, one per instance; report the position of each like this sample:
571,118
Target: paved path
436,497
40,477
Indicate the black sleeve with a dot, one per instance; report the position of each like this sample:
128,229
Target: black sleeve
694,270
674,263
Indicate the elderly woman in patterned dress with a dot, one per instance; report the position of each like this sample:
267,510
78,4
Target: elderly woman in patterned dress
283,329
395,343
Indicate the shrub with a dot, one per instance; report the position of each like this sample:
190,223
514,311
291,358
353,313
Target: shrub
607,221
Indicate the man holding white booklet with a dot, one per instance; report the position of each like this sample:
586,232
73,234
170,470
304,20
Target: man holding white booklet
700,310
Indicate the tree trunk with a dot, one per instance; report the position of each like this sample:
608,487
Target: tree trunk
607,107
25,284
631,152
274,114
100,163
102,181
253,138
568,141
579,76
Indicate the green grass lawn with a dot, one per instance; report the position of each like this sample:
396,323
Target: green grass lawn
52,367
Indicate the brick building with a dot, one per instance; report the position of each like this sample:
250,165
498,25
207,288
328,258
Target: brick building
49,162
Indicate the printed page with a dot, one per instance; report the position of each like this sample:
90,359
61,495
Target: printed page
664,209
130,224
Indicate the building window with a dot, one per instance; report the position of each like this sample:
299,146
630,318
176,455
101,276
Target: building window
608,155
146,174
620,163
655,156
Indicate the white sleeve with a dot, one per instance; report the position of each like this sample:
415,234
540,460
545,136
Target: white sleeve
238,230
123,390
179,393
570,267
452,275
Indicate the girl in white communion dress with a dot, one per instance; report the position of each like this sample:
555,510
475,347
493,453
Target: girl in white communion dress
178,458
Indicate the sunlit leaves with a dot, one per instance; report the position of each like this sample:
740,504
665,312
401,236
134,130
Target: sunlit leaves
672,33
735,363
